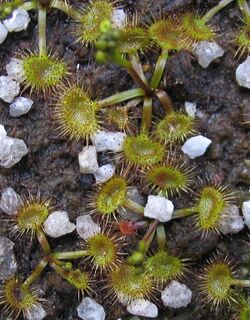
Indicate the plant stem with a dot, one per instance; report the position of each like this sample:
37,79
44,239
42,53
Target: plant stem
209,15
132,103
165,100
181,213
36,272
133,206
241,283
145,87
159,69
136,63
70,11
43,242
121,96
146,120
151,230
69,254
161,237
28,5
244,8
42,15
64,274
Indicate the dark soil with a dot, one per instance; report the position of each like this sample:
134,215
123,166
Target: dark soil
51,166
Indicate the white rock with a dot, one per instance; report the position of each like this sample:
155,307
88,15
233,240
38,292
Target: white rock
230,220
11,151
9,89
58,224
144,308
15,69
36,312
8,265
90,310
118,18
104,173
20,106
206,52
176,295
159,208
106,140
190,108
3,32
18,21
87,159
246,212
2,131
86,227
243,73
196,146
10,201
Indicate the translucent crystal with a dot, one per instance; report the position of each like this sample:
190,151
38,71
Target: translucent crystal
90,310
9,89
104,173
15,69
3,33
144,308
87,159
196,146
246,212
20,106
36,312
18,21
10,201
58,224
159,208
11,151
2,130
176,295
86,227
106,140
118,18
8,265
206,52
231,221
243,73
190,108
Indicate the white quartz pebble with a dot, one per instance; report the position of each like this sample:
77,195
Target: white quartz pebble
104,173
118,18
18,21
3,32
87,159
36,312
9,88
10,201
190,108
243,73
159,208
58,224
15,69
230,220
11,151
106,140
246,212
8,265
196,146
206,52
86,227
90,310
2,131
176,295
144,308
20,106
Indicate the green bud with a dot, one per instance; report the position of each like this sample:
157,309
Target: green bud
101,57
101,45
116,34
68,266
112,44
142,246
139,270
105,26
136,258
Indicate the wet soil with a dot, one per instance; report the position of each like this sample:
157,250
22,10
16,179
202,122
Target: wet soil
51,166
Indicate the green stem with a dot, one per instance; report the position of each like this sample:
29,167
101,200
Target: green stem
133,206
69,254
161,237
241,283
120,97
146,115
244,8
159,69
43,242
31,5
70,11
181,213
209,15
36,272
136,63
165,100
42,15
133,103
151,230
63,273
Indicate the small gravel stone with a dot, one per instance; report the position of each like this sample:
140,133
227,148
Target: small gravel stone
106,140
176,295
18,21
86,227
9,89
144,308
190,108
206,52
243,73
87,159
10,201
2,131
231,221
11,151
15,69
159,208
246,212
8,265
58,224
20,106
196,146
36,312
3,32
118,18
90,310
104,173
